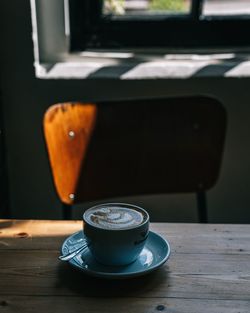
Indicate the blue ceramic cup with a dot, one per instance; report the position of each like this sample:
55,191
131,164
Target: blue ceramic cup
116,232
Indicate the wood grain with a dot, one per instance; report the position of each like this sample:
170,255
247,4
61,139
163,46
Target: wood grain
68,128
30,304
208,271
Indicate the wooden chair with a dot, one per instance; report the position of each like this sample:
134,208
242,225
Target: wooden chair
113,149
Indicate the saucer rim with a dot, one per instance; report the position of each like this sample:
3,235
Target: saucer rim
73,262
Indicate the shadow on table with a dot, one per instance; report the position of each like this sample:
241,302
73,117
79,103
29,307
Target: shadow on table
11,223
89,286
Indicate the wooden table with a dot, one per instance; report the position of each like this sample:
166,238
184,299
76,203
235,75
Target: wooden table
208,271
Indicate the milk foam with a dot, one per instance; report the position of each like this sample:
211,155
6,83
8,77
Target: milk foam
115,217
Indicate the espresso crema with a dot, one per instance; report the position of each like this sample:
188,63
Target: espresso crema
114,217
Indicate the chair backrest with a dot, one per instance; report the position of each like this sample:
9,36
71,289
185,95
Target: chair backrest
134,147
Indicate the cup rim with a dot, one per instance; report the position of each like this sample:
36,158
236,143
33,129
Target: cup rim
117,204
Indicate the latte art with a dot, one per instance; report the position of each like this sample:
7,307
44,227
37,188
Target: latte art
115,217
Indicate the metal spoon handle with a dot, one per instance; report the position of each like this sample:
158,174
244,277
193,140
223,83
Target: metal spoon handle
71,255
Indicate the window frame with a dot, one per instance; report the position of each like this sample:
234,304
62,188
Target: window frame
89,30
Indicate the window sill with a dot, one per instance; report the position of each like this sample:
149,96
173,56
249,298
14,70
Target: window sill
125,67
51,37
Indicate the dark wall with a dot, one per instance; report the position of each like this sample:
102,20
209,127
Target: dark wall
25,99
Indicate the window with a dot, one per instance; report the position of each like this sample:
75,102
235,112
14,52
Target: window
115,24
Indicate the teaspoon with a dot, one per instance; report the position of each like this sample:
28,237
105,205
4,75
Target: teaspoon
72,254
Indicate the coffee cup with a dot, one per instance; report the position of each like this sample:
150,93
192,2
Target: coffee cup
115,232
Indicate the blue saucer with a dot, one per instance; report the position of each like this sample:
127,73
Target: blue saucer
154,254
